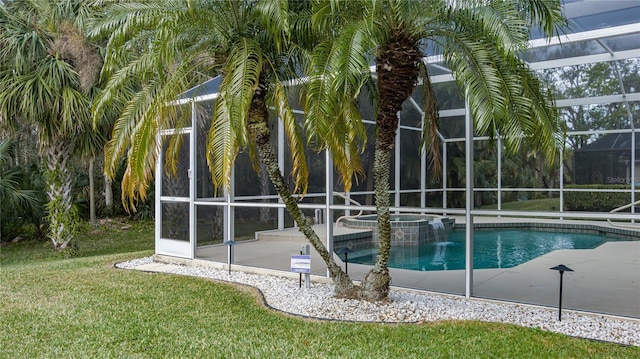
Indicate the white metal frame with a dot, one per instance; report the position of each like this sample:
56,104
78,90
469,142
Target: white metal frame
168,246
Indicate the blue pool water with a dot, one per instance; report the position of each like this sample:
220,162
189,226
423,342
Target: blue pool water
492,249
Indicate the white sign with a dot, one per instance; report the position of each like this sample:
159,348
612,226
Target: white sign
300,263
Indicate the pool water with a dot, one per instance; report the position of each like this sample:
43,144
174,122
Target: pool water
492,249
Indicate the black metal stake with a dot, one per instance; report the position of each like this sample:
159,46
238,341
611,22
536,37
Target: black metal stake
229,254
345,251
561,268
346,263
300,280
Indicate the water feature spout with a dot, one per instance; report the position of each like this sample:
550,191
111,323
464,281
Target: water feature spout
439,231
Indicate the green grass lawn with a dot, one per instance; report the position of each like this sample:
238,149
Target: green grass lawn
85,308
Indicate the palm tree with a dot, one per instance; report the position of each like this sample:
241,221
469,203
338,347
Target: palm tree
479,41
168,46
89,146
47,70
16,201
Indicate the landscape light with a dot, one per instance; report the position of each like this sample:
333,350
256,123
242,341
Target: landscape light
561,268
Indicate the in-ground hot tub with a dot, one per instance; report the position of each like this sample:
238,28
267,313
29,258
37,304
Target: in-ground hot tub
406,229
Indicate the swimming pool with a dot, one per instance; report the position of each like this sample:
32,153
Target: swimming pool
502,248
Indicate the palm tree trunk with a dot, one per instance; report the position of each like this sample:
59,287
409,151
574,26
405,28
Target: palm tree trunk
61,215
259,130
264,191
375,286
92,194
396,66
108,193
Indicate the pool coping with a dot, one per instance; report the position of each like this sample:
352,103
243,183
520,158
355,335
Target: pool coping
582,227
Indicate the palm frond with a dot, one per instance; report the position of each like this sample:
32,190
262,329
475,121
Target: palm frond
144,115
545,14
299,171
352,60
347,145
242,72
275,16
504,96
222,146
501,24
319,98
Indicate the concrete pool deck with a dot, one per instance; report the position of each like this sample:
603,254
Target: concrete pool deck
605,280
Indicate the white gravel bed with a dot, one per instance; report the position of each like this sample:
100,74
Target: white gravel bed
411,306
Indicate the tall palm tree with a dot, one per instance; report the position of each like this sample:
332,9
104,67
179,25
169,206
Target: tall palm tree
167,46
47,70
480,41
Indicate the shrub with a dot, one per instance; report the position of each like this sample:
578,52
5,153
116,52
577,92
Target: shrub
594,200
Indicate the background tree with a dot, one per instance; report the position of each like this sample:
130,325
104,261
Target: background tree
21,202
47,71
591,80
479,40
